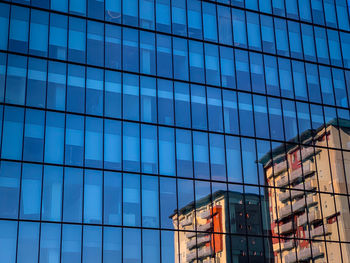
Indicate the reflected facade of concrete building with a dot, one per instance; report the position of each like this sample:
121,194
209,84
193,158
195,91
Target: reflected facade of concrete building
307,200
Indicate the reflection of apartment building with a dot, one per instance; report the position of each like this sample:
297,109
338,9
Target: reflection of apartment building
203,223
297,210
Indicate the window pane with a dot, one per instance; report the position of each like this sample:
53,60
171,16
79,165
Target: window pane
166,151
19,27
112,198
33,135
217,157
95,44
112,46
94,91
147,53
76,88
112,245
58,36
71,244
92,244
112,144
36,86
73,195
131,200
50,242
38,33
76,40
165,102
93,142
8,237
16,79
131,147
56,87
149,152
180,56
112,102
184,153
150,202
182,105
131,97
74,148
28,242
130,49
93,197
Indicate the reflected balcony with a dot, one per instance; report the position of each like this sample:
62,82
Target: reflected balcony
305,253
301,204
205,227
190,234
279,168
206,214
191,256
205,252
198,242
285,211
298,174
287,245
307,152
283,181
287,227
313,216
186,222
291,257
320,231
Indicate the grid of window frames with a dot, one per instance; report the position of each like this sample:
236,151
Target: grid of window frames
122,119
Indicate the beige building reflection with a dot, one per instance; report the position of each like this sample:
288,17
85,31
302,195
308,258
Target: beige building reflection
308,209
302,220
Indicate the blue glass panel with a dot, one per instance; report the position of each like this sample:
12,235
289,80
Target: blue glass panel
184,153
265,6
147,14
113,10
267,33
276,122
253,29
230,112
194,19
225,25
92,244
58,36
201,155
16,79
31,191
76,88
112,245
130,50
313,83
214,109
52,193
295,38
251,4
278,7
209,21
248,161
76,39
36,86
130,12
95,44
131,200
147,53
166,151
131,147
131,97
299,80
168,201
271,75
196,61
71,244
282,36
212,68
321,45
151,246
239,28
199,107
286,80
3,58
163,16
131,245
59,5
73,195
308,42
342,14
339,87
50,242
148,99
13,132
150,201
93,197
28,242
112,102
180,56
233,159
113,46
8,237
74,148
242,70
112,198
182,105
260,116
303,117
217,157
334,47
93,142
10,173
94,91
292,9
39,26
77,7
227,67
33,135
56,86
257,72
112,144
149,149
19,27
178,17
326,85
96,9
290,119
345,45
245,114
329,9
317,11
165,102
164,56
305,10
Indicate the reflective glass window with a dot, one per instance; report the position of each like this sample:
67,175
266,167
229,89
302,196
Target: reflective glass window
147,53
112,144
74,143
147,14
166,151
28,242
149,149
131,97
194,19
131,200
36,85
148,99
130,49
163,23
112,94
16,79
178,17
182,105
180,56
76,39
164,56
19,27
76,88
131,147
94,91
73,195
184,153
56,85
93,197
112,198
196,61
39,26
198,107
95,44
96,9
8,237
112,46
165,102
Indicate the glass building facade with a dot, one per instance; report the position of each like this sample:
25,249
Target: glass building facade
174,131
